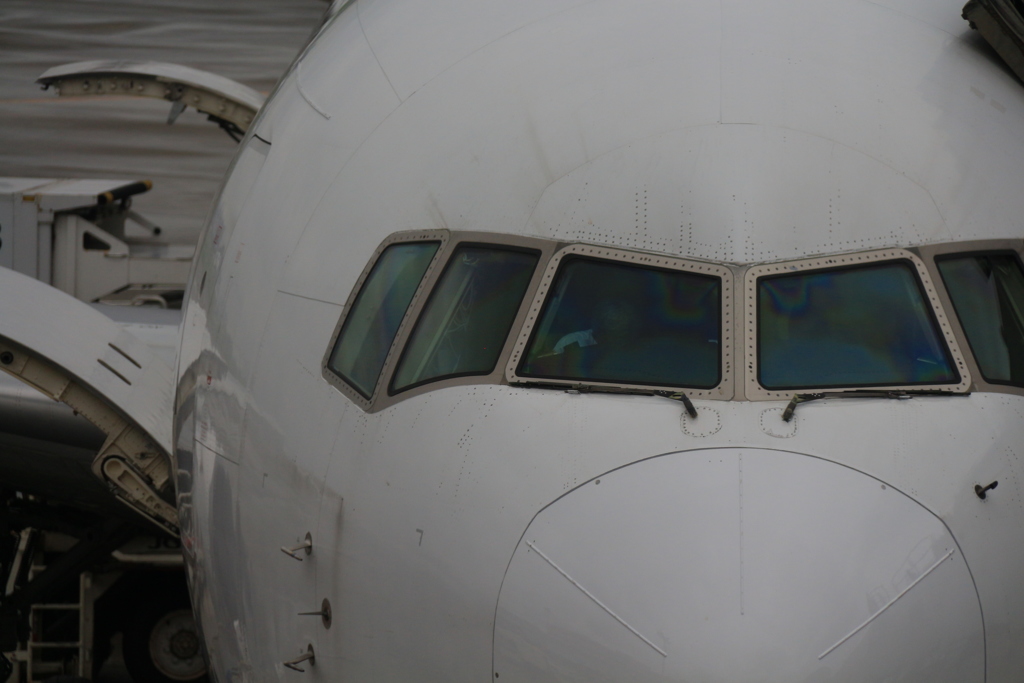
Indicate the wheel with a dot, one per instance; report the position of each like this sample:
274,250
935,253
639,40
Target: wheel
161,645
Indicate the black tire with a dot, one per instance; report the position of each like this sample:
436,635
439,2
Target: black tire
161,643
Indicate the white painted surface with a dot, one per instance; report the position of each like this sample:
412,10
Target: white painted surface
162,72
723,131
778,555
73,336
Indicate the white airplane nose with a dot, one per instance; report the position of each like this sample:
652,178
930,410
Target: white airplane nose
738,565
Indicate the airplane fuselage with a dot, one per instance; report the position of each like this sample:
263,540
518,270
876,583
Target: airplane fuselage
520,524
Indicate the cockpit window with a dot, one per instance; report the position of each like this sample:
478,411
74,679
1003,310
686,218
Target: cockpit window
371,325
851,327
987,291
465,323
609,321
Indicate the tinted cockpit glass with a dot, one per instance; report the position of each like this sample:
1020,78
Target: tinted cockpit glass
464,325
371,325
607,321
987,291
852,327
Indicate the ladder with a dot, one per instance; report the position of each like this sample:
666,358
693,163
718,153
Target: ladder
38,655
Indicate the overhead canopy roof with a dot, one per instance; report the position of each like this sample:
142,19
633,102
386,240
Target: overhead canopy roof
1001,23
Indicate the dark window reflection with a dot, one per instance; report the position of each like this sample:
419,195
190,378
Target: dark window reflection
988,294
852,327
371,325
464,325
607,321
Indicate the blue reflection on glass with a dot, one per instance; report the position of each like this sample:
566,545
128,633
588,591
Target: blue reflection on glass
851,327
607,321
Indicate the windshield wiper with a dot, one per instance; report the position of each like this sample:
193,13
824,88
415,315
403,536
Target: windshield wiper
681,397
797,399
602,389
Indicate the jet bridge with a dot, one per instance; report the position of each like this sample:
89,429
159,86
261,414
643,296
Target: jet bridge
229,104
107,375
86,481
78,480
1001,24
82,237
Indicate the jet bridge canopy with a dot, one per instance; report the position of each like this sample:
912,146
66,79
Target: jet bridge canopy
1001,24
76,355
228,102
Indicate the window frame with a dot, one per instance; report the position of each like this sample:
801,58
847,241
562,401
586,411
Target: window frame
931,254
450,241
441,236
723,390
457,244
752,386
739,366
